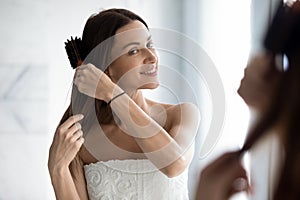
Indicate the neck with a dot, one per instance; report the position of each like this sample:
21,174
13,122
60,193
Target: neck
138,97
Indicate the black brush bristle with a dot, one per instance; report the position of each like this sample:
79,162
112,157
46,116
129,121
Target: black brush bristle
74,51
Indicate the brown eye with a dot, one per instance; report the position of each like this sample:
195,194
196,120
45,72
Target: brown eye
133,51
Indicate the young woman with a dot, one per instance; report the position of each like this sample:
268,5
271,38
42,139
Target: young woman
112,142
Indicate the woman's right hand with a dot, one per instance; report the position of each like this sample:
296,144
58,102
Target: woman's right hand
222,178
66,144
93,82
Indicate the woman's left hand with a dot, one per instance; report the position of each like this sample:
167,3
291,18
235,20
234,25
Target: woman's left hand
93,82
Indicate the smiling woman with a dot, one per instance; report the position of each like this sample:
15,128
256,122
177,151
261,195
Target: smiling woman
135,52
112,142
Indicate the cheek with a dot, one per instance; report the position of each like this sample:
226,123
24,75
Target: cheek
125,64
118,74
124,71
117,69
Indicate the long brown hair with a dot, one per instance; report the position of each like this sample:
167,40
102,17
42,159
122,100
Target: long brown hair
283,37
98,29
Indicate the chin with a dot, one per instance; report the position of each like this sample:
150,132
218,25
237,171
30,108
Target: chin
150,86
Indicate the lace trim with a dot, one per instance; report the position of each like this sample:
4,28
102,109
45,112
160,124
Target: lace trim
129,165
133,180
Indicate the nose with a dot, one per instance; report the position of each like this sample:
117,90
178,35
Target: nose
150,56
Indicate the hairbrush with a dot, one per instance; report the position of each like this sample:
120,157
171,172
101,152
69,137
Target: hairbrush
74,51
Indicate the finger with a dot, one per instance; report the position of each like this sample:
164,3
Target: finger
239,185
236,169
82,67
77,144
224,160
237,180
73,149
78,80
73,129
71,121
80,73
236,175
76,136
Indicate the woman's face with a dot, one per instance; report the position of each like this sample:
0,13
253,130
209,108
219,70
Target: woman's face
260,82
134,58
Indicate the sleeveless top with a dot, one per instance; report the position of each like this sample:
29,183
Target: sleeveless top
133,179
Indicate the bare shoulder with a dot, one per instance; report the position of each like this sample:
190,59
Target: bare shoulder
186,108
185,112
175,107
178,113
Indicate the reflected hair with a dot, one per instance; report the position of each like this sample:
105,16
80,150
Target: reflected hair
283,38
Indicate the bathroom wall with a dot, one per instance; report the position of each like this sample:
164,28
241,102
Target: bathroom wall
35,78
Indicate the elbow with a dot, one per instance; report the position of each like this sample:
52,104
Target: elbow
176,168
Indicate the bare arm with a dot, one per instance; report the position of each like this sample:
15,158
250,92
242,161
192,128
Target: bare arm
171,151
67,186
62,157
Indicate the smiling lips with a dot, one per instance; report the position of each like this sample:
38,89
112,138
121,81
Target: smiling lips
152,71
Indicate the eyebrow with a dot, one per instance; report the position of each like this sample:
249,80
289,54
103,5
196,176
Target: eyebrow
135,43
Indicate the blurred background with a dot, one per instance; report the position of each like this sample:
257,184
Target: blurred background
36,77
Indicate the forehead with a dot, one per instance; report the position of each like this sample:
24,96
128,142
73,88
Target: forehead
135,31
135,24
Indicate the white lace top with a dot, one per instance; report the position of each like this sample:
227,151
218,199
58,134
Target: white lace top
133,180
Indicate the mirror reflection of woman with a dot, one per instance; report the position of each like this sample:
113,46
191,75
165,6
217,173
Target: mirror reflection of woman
273,94
112,142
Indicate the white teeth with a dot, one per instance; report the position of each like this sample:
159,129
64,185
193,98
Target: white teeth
150,71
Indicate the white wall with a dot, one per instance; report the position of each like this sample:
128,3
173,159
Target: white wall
24,96
224,33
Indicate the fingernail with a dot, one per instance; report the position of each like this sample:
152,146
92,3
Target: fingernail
81,116
240,184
